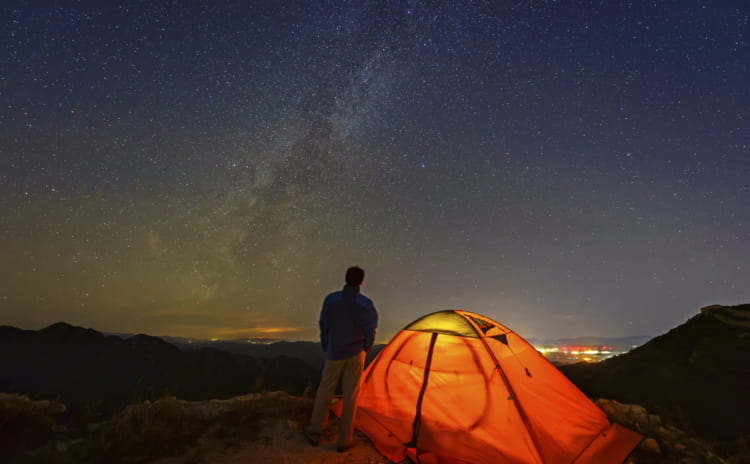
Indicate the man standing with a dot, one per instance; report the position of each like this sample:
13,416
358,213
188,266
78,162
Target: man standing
347,330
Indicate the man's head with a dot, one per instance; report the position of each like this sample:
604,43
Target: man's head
355,276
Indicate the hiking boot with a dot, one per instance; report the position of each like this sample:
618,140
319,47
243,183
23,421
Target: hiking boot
312,437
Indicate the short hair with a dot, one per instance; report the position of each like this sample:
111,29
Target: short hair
355,276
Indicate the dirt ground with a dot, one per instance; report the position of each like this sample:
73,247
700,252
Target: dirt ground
281,441
284,443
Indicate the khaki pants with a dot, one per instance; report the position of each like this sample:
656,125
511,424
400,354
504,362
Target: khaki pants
350,370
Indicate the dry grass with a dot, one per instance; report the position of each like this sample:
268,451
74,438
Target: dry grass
25,425
147,432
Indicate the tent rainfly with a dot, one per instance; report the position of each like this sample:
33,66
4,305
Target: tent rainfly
456,387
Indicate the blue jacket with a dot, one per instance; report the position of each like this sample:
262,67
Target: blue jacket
347,323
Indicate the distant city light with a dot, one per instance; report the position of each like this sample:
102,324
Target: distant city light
579,353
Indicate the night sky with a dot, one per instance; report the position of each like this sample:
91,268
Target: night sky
210,169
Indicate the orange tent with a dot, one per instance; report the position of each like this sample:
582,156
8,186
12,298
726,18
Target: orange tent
456,387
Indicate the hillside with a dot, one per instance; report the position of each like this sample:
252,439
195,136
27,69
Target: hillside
696,376
80,366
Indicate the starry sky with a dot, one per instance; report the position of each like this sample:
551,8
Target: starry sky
210,169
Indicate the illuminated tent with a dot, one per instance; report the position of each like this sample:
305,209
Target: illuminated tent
456,387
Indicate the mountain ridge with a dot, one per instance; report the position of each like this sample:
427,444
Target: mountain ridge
81,366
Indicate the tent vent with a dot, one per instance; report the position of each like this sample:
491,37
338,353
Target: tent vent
502,338
483,325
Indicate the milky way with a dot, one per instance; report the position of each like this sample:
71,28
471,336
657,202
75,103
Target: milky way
210,171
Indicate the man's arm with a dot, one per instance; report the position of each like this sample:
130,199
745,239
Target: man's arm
323,324
371,323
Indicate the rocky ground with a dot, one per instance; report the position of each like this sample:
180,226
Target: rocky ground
663,443
279,439
263,428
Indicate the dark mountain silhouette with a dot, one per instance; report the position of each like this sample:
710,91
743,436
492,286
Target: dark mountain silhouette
80,366
696,376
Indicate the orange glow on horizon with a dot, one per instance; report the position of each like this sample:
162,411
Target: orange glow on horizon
258,332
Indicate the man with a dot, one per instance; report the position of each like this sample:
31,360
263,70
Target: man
347,330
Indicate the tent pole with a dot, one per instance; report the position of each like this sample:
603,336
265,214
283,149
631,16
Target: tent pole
425,379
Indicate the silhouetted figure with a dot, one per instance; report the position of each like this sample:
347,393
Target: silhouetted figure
347,330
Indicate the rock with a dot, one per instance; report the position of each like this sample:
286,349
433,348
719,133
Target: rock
606,406
651,446
636,414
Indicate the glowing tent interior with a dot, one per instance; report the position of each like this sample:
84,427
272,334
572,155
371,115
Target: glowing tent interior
457,387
